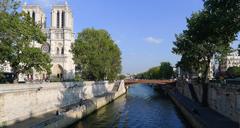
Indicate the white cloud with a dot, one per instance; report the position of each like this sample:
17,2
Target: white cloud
153,40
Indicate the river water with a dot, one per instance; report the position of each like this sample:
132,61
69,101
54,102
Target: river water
141,107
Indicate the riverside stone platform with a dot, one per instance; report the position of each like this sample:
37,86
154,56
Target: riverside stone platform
199,116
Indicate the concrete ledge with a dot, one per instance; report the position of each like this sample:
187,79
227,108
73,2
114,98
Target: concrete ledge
188,115
198,116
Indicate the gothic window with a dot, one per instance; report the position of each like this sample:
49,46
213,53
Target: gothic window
57,51
63,19
33,16
28,13
58,18
62,52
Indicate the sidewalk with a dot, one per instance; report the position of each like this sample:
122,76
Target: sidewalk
204,116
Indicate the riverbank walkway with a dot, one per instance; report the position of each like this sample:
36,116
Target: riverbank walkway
206,116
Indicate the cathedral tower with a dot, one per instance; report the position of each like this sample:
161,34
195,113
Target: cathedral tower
36,13
61,40
39,17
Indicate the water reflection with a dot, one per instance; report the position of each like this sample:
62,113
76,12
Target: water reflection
141,107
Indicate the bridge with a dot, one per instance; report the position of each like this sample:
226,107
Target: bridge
154,82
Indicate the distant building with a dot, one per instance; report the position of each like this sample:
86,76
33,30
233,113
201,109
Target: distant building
233,59
130,76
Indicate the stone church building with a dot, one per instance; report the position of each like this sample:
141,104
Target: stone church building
60,38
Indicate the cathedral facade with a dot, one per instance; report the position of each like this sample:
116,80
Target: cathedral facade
60,38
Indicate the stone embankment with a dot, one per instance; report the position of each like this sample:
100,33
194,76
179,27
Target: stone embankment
223,110
54,104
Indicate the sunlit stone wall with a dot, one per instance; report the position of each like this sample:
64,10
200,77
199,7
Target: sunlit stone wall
19,102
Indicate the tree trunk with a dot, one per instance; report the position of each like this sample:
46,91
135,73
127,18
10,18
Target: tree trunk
205,84
191,89
15,77
205,94
193,92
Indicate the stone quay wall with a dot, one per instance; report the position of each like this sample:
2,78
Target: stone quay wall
22,101
223,98
89,106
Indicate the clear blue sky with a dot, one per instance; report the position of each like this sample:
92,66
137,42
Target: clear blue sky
143,29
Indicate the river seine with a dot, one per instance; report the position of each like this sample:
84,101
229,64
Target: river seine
141,107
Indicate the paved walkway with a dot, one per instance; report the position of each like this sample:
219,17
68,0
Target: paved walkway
210,118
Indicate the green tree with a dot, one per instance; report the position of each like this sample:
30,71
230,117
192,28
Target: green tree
97,56
153,73
121,77
17,32
209,33
166,70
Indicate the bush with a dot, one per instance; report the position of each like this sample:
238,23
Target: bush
55,79
77,77
233,72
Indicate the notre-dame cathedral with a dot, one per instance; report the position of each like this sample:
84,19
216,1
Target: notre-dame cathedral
60,38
